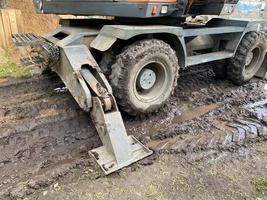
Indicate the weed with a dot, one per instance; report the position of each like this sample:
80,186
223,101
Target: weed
261,184
212,172
9,68
152,190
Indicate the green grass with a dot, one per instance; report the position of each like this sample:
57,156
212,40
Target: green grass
9,68
261,184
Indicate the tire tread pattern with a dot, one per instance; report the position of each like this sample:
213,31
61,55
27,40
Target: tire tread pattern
236,64
127,59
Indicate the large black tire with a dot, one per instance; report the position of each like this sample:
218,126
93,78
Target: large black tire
130,72
108,59
248,58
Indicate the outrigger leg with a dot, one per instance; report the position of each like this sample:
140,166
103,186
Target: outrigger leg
77,68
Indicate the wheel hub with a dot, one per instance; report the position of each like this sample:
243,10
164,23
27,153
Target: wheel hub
147,79
249,58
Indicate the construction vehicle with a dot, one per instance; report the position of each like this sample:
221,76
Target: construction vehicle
135,54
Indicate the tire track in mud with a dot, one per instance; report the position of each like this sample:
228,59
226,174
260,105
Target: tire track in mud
39,126
44,134
225,136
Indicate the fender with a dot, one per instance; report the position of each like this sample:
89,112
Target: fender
109,34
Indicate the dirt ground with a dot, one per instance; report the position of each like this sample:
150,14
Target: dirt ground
39,24
174,177
209,142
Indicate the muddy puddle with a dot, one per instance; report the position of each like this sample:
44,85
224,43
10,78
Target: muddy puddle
194,113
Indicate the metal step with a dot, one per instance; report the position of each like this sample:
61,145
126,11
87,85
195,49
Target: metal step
208,57
26,39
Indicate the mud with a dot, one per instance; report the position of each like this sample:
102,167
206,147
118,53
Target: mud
44,135
40,127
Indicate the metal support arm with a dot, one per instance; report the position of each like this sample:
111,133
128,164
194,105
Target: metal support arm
83,77
118,150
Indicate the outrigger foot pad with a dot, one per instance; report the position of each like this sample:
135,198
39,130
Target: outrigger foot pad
107,161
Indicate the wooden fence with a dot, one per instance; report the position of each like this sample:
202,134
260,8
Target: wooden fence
10,22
